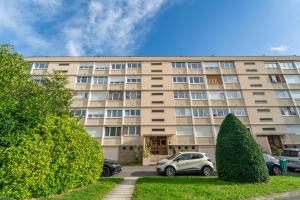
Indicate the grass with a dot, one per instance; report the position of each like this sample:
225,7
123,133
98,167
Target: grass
94,191
209,188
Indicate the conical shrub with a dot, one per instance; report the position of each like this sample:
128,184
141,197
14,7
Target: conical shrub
238,156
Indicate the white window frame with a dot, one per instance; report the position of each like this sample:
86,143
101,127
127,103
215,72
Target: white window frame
178,65
110,131
196,94
116,82
194,65
282,94
133,94
95,113
196,80
230,79
136,130
133,79
292,79
271,65
211,65
101,66
79,112
182,112
181,94
295,94
180,79
288,111
118,65
81,95
79,79
184,130
219,94
287,65
132,112
227,65
219,112
238,111
114,113
134,65
234,94
86,65
100,80
118,94
200,112
40,65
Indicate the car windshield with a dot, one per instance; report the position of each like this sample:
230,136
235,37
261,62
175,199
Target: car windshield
173,156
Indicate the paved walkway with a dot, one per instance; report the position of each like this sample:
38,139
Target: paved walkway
280,196
123,191
137,171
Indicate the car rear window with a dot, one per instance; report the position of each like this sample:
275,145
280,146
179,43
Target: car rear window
289,153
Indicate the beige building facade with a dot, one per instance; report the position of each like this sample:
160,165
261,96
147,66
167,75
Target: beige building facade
171,104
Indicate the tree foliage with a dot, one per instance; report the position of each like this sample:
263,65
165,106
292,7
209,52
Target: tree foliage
23,102
238,156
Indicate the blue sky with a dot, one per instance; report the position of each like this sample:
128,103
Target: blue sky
151,28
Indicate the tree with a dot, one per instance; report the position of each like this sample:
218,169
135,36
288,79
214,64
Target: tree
238,156
23,102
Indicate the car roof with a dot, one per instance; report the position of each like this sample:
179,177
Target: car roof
185,152
291,149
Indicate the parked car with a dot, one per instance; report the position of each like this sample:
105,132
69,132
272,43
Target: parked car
273,165
292,156
185,162
111,167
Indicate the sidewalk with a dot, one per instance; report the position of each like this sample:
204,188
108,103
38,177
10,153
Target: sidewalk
123,191
280,196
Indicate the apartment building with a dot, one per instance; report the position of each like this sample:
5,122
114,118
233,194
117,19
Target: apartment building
172,104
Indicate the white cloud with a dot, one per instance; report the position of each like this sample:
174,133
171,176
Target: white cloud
281,48
95,27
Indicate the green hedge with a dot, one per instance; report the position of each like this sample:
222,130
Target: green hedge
238,156
56,156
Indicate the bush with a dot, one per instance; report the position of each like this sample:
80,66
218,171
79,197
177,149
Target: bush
58,155
238,156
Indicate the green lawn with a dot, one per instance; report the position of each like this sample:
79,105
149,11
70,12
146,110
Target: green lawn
94,191
209,188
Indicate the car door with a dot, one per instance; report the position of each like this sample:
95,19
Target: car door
184,162
293,159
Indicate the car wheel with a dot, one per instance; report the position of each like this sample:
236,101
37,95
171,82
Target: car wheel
106,172
207,171
170,171
276,170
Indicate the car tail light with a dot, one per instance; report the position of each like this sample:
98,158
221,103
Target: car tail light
299,155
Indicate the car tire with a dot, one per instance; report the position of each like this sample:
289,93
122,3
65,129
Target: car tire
170,171
207,171
106,172
276,170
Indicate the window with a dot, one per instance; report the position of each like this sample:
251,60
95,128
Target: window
157,102
115,95
158,129
263,110
253,77
101,66
114,113
112,131
288,111
181,95
184,130
251,70
158,120
184,157
293,129
134,65
133,94
297,64
282,94
132,112
211,65
156,86
198,95
216,95
40,65
255,85
156,64
98,96
233,94
271,65
261,101
238,111
156,70
258,93
157,93
95,113
100,80
194,65
117,66
292,79
200,112
220,112
116,80
156,78
38,79
86,65
83,79
249,63
94,131
196,79
181,112
213,79
230,79
227,65
278,78
295,94
157,111
81,95
179,65
133,79
79,112
131,130
203,131
286,65
179,79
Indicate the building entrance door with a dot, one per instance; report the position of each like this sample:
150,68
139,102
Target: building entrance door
275,141
158,145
